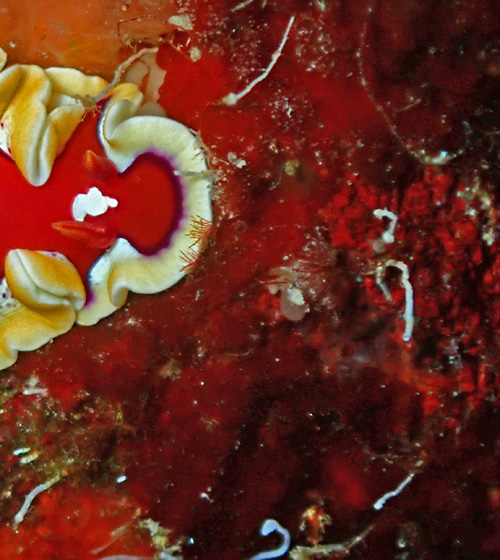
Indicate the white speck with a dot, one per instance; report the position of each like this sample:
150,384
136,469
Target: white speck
233,98
443,157
183,21
94,203
21,451
121,479
233,159
380,503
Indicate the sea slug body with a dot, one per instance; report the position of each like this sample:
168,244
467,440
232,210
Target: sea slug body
46,292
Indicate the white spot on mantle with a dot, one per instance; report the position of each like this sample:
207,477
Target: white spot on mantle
94,203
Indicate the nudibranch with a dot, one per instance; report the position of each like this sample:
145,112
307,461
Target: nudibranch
94,202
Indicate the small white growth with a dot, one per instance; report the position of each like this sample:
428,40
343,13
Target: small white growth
160,537
233,159
183,21
194,54
405,281
270,526
380,503
292,303
291,166
233,98
94,203
295,296
31,496
33,387
442,158
388,235
27,459
21,451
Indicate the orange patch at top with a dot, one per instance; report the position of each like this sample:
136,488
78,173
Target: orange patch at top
91,38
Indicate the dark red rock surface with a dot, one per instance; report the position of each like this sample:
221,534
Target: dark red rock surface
221,404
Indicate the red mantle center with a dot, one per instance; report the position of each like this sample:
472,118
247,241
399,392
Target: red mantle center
148,195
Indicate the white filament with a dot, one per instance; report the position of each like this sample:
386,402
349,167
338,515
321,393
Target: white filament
270,526
388,235
405,281
380,503
233,98
31,496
